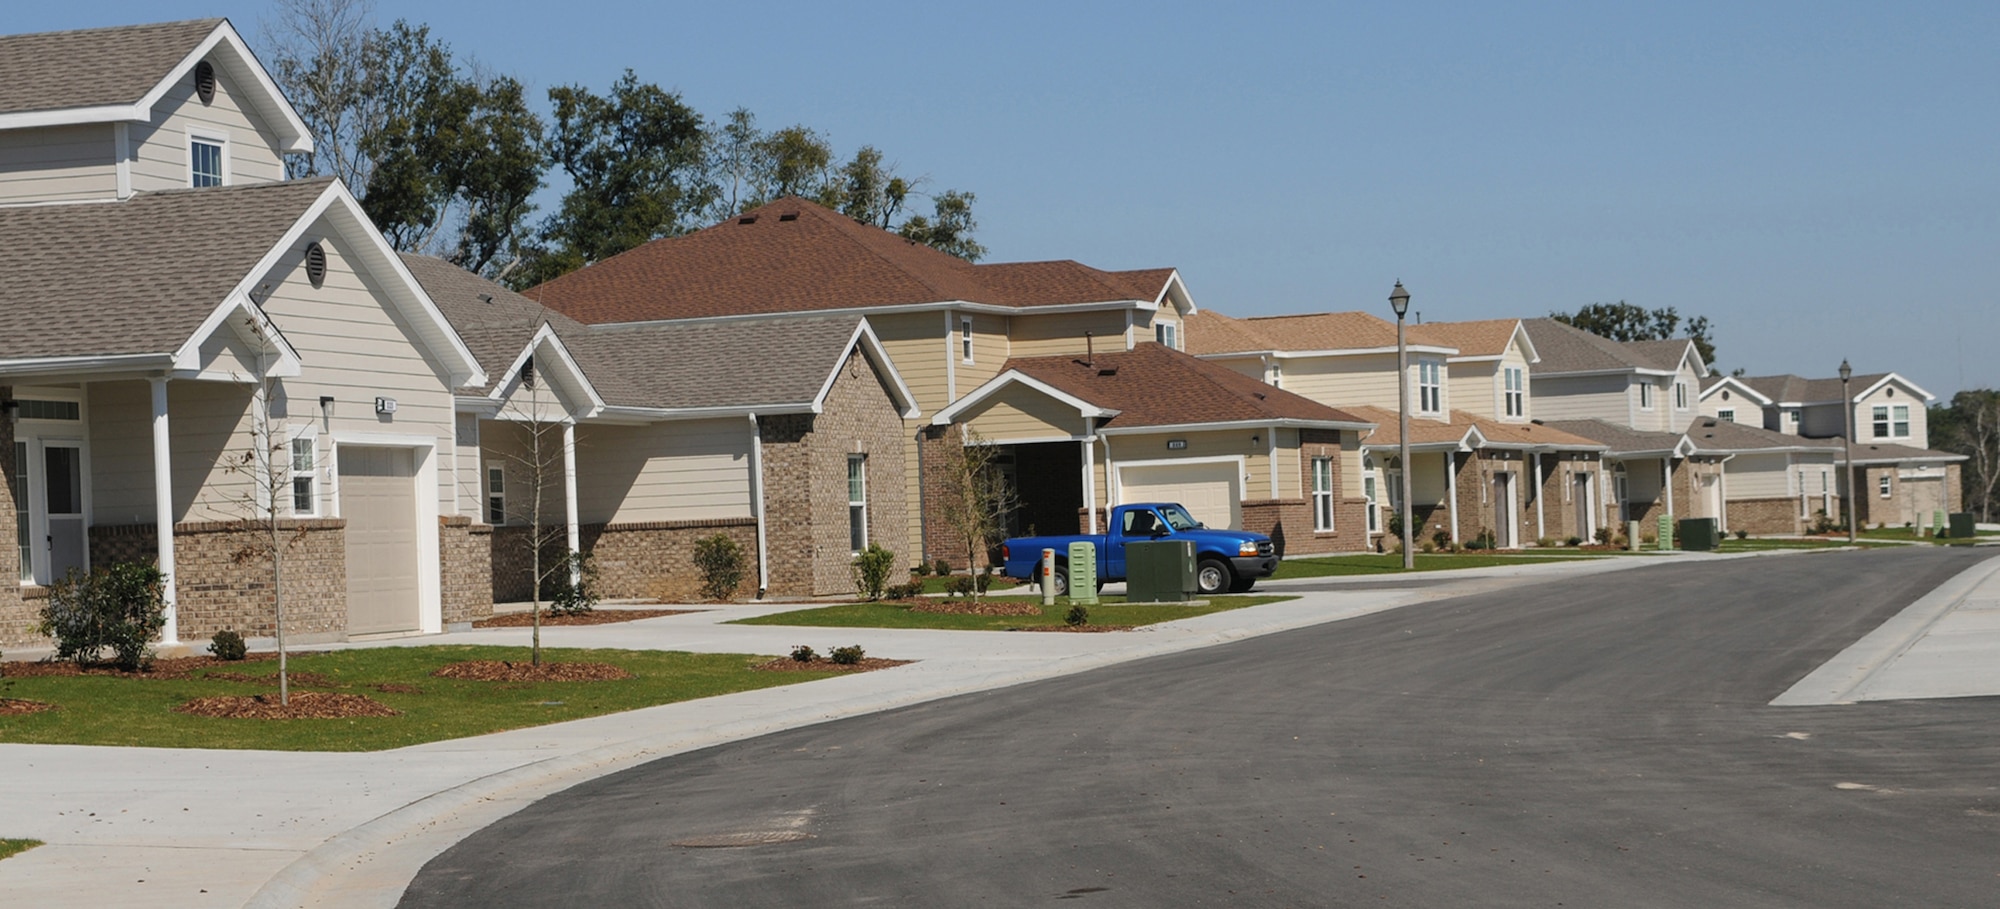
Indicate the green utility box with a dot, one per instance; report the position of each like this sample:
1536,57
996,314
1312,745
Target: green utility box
1700,534
1666,532
1083,573
1160,572
1963,526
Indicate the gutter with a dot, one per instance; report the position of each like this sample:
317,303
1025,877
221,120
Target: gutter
757,504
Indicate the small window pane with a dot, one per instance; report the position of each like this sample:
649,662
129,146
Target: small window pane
302,495
206,167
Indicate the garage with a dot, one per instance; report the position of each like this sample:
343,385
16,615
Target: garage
378,498
1208,489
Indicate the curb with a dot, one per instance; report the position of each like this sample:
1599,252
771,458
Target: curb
1838,680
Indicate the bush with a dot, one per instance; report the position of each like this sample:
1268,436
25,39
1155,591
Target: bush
1823,524
960,585
721,564
1427,547
908,591
846,656
923,570
804,654
573,598
120,607
1077,616
1396,524
871,571
1743,534
1603,536
1573,540
942,568
1441,540
1545,542
228,645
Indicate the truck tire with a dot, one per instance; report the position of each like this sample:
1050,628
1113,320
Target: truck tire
1242,585
1212,576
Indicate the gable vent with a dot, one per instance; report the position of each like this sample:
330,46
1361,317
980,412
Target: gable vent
747,219
316,265
789,216
204,81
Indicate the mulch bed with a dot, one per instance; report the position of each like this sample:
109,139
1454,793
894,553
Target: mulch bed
295,678
821,664
967,607
19,707
593,617
509,671
163,668
305,705
1079,629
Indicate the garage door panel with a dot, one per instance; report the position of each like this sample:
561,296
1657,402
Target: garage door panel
378,500
1208,490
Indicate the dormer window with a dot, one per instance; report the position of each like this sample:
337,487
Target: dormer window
208,159
1430,387
1515,391
1166,334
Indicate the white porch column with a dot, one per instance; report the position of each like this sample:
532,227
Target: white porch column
1540,529
757,504
163,509
1667,480
1090,471
1271,457
569,493
1451,489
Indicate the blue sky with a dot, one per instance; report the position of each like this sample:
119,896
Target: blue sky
1821,179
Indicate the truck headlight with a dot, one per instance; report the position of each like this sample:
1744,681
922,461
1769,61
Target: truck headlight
1247,548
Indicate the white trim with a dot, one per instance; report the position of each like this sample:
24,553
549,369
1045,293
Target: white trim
121,145
757,503
1233,424
187,359
1446,352
1451,490
946,306
1271,456
1090,472
208,135
310,432
1892,377
430,564
574,534
964,338
568,371
163,508
992,386
871,347
1739,386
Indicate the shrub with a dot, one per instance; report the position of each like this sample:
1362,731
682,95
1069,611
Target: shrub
846,656
923,570
1077,616
908,591
568,597
984,581
1743,534
1545,542
1396,524
120,607
942,568
871,571
228,645
1823,524
1441,540
960,585
1603,536
721,564
1573,540
1427,546
804,654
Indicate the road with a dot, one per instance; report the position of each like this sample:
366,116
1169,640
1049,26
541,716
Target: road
1591,742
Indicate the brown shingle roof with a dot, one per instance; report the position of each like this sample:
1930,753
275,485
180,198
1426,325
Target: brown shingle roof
1151,385
1427,431
1619,439
1210,332
134,277
794,256
1481,338
92,67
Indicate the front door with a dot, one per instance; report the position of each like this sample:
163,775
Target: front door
62,498
1503,511
1586,518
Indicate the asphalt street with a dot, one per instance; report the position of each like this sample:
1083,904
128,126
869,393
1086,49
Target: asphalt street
1600,741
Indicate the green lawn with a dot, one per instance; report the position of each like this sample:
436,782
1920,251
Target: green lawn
1392,563
16,847
1112,610
110,710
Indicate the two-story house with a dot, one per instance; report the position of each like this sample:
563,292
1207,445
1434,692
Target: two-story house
191,341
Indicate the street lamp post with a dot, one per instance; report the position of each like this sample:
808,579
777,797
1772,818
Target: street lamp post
1400,299
1847,448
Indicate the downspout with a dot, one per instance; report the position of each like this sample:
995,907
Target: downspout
1541,528
1451,490
757,504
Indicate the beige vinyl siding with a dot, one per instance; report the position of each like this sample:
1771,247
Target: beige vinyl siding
470,480
1757,476
521,451
1584,398
1062,333
989,351
1350,468
160,147
355,350
676,471
58,164
1145,325
1210,444
211,423
1864,429
1642,481
1428,485
1248,366
1019,413
1474,387
1364,379
915,344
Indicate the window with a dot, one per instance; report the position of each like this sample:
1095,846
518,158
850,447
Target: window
857,499
1726,415
305,475
207,161
1277,374
1645,396
1322,469
1680,395
1374,508
1430,388
965,339
496,495
1892,422
1516,391
1166,333
1792,415
31,409
1882,486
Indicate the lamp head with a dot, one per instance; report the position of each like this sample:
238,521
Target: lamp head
1400,299
1846,371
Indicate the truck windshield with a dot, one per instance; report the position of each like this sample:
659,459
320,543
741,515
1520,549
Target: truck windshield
1177,518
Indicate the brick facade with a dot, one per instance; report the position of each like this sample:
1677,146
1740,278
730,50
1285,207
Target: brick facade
1561,514
223,578
1911,500
656,559
18,611
1764,516
1289,523
466,554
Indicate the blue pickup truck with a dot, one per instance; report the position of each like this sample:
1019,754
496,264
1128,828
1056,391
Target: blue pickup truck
1225,560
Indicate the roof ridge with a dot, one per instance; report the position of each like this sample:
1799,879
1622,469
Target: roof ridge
846,231
134,26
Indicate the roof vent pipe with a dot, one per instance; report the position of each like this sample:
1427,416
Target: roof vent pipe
1089,350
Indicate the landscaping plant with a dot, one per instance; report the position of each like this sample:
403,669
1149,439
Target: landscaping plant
846,656
228,645
721,564
871,571
804,654
574,592
1076,616
121,607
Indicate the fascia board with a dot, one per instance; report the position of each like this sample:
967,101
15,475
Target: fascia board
1527,343
76,116
1899,380
1155,428
188,357
269,100
1362,351
566,372
618,413
119,363
1740,387
1010,377
1414,446
1176,290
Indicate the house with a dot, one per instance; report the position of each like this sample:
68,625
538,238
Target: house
1480,468
1772,482
949,326
1153,424
646,438
1900,479
176,311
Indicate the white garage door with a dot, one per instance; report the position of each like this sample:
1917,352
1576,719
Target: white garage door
1208,490
378,497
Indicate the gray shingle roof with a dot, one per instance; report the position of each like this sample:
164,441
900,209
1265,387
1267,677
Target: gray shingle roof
1791,389
1619,439
1879,453
92,67
1710,434
134,277
1564,348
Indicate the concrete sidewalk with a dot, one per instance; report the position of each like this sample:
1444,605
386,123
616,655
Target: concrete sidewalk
1944,645
177,827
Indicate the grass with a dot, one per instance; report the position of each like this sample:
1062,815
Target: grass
1112,610
16,847
1392,563
110,710
935,584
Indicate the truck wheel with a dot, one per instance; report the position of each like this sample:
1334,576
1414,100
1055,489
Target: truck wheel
1061,579
1242,585
1212,576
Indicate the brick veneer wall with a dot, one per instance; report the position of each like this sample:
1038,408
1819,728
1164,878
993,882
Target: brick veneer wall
1479,506
223,582
805,483
466,553
1558,494
1289,524
1762,516
656,559
1872,509
18,613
